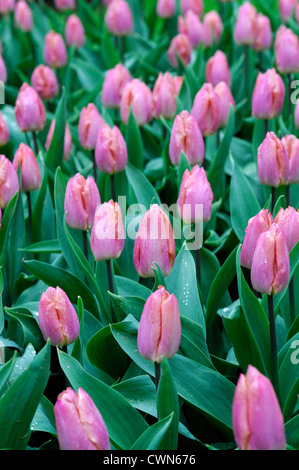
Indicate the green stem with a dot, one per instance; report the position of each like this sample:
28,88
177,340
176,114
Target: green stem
272,199
35,143
157,374
292,301
94,165
29,218
273,346
112,185
288,195
85,244
111,286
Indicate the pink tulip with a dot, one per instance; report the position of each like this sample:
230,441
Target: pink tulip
6,6
90,122
165,91
111,150
191,25
194,5
4,131
186,137
55,53
30,111
288,222
257,418
44,81
154,243
213,28
268,95
255,227
114,83
272,162
195,196
31,177
226,100
3,70
287,9
206,108
217,69
263,40
107,236
166,8
81,200
74,31
57,317
270,267
68,141
246,25
286,48
180,47
159,332
9,183
119,18
291,144
138,96
79,423
23,16
63,5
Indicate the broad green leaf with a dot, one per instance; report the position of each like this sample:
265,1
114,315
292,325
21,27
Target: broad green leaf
145,193
134,142
152,438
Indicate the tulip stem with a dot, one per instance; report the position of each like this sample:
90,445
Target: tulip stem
273,345
288,195
112,185
289,97
246,72
111,286
292,301
266,126
29,217
35,142
157,374
85,244
272,199
94,166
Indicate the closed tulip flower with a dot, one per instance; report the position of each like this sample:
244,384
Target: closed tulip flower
63,5
194,5
114,84
288,221
165,92
186,137
9,183
154,243
55,53
287,9
291,144
264,36
270,268
205,109
217,69
226,100
257,418
268,95
191,25
272,162
119,18
137,96
90,122
166,8
23,16
6,6
74,32
31,177
4,131
79,423
57,317
111,150
3,70
286,48
195,196
107,236
246,25
68,141
81,200
213,28
255,227
159,332
44,81
180,46
30,111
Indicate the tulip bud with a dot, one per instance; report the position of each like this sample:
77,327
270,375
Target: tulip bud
79,423
68,142
180,47
194,5
119,18
286,48
4,131
31,177
90,122
81,200
226,99
3,70
165,92
186,137
74,31
159,332
270,267
107,235
30,111
57,317
205,109
23,16
272,162
268,95
213,28
55,53
257,418
255,227
44,81
166,8
288,222
154,243
137,95
63,5
263,40
114,83
287,9
111,150
195,196
291,144
217,69
9,183
191,25
6,6
246,25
